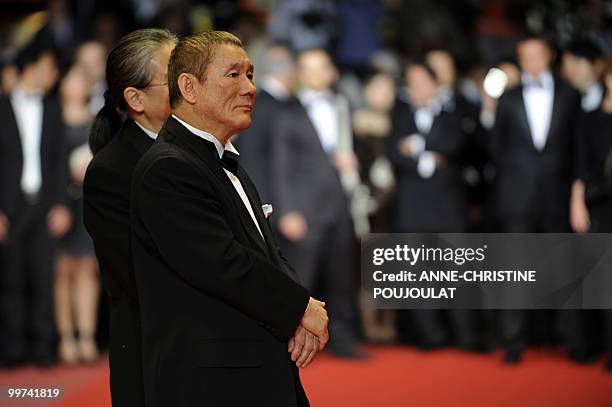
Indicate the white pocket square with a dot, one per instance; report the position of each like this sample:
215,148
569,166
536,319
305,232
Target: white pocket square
267,210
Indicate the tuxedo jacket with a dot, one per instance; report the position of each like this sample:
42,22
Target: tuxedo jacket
531,181
107,218
435,204
217,302
53,161
303,176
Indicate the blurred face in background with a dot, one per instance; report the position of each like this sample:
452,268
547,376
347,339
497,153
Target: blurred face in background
579,72
316,70
75,88
379,92
534,56
422,86
46,72
444,66
280,65
91,57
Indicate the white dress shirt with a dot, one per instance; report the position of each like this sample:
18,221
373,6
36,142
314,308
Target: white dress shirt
323,116
148,132
28,108
539,96
235,181
423,119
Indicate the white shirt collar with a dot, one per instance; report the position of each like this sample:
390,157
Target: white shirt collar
209,137
308,96
546,79
275,88
21,94
148,132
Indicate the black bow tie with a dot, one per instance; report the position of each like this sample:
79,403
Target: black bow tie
229,161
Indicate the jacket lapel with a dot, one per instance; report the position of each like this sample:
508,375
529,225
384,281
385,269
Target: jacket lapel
523,118
207,153
249,189
554,115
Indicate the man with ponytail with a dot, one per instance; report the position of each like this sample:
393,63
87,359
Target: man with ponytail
136,106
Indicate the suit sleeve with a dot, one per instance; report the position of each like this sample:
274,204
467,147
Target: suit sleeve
399,160
107,219
187,224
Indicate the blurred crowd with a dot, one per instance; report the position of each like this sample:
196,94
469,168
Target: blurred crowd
371,117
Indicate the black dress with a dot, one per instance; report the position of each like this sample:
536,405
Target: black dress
596,168
77,241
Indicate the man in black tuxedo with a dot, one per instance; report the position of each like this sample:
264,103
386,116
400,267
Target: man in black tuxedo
312,151
277,78
33,187
533,144
223,317
143,99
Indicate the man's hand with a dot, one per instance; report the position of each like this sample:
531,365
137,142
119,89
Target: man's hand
303,347
315,320
293,226
579,213
59,221
4,227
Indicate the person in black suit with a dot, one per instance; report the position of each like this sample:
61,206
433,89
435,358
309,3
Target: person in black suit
312,151
277,79
223,317
580,68
533,148
425,149
591,204
33,211
136,72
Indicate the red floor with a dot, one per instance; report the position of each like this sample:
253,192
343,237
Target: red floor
393,377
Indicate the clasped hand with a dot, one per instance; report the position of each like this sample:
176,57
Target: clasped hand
311,335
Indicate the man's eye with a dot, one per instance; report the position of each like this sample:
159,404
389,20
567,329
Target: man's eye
233,74
250,76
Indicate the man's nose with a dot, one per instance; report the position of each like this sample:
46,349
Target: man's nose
249,87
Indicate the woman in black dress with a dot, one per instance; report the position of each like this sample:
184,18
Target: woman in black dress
77,284
591,206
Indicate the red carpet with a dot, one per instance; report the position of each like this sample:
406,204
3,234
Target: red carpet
393,377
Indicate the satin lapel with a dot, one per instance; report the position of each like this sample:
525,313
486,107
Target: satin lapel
249,188
207,152
308,126
554,115
247,221
524,119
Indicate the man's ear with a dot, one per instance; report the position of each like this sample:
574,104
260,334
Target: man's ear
133,100
187,84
